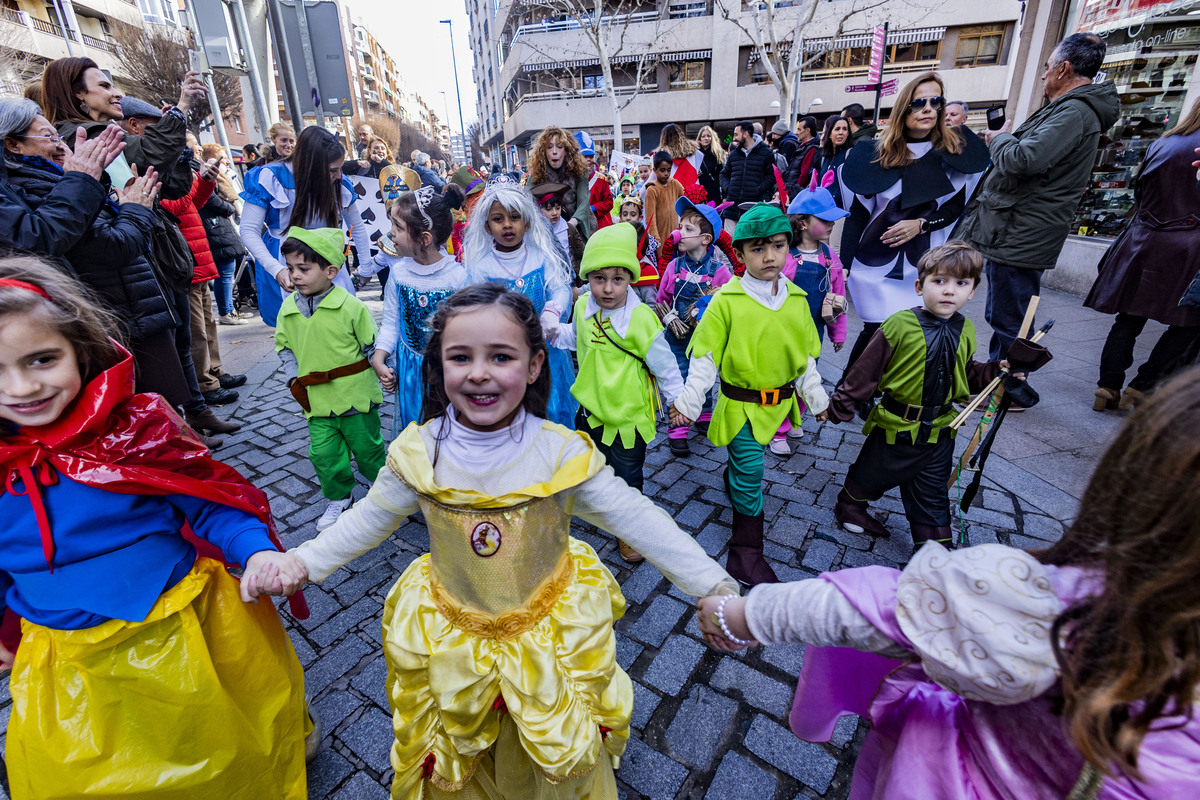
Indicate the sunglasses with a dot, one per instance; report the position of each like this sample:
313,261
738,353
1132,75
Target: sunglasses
936,103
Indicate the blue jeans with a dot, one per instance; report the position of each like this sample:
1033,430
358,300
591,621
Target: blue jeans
1008,293
223,287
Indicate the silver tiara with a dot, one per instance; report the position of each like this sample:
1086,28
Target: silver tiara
502,179
423,196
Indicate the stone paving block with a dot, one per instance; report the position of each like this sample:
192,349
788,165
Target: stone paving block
657,621
820,555
290,486
699,725
373,557
744,682
304,650
713,480
834,533
778,552
713,538
1040,527
370,738
644,580
362,787
334,708
415,534
306,514
320,607
674,664
844,730
786,572
336,663
857,558
650,772
645,702
715,496
303,468
255,458
898,547
739,777
997,501
792,493
977,534
822,515
627,650
679,491
694,514
1025,542
789,531
325,772
671,472
993,519
805,761
772,507
372,682
787,657
357,586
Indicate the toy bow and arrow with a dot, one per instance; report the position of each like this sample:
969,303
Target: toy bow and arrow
1025,356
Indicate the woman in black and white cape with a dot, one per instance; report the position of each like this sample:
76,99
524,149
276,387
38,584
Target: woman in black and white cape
905,193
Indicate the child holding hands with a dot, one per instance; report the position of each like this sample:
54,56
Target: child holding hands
144,669
501,657
624,360
990,673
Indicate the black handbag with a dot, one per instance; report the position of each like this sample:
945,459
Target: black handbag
173,258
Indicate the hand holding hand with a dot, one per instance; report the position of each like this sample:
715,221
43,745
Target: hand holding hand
823,416
677,419
91,156
142,190
193,89
272,573
386,375
706,616
903,231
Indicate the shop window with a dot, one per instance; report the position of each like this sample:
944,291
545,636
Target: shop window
909,53
758,73
688,75
843,59
593,81
979,45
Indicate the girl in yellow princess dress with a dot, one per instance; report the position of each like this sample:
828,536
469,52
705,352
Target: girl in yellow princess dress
501,656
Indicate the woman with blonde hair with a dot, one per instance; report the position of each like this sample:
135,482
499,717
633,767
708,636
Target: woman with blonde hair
1149,267
904,191
686,157
556,159
708,144
282,137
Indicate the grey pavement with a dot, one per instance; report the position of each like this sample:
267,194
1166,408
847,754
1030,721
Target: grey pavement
705,725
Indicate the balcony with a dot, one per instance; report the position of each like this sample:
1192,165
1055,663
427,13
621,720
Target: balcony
52,29
15,17
368,73
100,44
372,97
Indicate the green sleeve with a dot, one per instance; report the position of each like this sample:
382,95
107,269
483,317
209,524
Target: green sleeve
364,325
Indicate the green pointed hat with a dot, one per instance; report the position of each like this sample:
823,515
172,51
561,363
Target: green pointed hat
614,246
762,222
330,243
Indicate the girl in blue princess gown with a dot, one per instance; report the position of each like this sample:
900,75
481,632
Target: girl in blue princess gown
508,241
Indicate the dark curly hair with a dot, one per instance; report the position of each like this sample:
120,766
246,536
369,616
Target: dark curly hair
520,309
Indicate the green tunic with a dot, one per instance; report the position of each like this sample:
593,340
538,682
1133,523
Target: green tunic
755,348
612,385
904,375
332,337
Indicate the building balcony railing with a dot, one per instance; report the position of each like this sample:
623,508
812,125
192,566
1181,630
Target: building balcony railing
100,44
50,28
9,15
573,24
861,72
572,94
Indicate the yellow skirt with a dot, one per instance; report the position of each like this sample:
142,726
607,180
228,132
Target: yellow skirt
202,699
543,714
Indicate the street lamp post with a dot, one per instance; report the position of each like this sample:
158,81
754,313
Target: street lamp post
454,60
446,106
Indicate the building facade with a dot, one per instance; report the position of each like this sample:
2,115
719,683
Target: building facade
532,70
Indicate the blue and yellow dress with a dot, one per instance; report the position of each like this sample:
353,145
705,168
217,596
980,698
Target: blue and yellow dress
502,672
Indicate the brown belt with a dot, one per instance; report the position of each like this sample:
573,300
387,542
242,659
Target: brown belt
762,397
299,386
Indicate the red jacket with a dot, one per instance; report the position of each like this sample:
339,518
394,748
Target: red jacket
187,208
601,200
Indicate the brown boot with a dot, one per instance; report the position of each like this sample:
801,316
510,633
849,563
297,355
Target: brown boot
930,533
1106,399
208,422
746,562
628,554
211,442
1130,399
852,515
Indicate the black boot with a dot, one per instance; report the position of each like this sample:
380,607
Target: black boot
931,533
852,514
746,562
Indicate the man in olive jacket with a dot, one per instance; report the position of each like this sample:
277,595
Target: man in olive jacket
1023,212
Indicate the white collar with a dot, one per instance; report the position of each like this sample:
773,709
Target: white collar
619,318
760,290
470,449
426,270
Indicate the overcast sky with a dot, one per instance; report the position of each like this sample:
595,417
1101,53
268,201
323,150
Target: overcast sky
420,46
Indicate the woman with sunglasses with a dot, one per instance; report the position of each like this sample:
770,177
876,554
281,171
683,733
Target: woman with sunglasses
307,189
905,191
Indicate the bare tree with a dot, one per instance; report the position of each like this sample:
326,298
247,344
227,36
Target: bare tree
615,35
477,153
404,138
154,63
776,31
19,65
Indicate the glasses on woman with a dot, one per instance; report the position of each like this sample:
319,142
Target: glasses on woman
936,103
52,138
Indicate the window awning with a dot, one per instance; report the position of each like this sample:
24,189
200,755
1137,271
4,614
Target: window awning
687,55
690,55
864,39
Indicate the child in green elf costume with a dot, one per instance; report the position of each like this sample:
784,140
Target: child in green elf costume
757,335
624,359
324,336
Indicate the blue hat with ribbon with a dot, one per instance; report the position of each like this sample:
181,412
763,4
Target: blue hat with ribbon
817,201
706,211
586,145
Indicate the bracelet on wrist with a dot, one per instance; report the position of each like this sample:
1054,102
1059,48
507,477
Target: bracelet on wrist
719,618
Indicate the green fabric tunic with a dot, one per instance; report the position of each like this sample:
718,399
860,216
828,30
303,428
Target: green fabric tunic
612,385
332,337
904,376
755,348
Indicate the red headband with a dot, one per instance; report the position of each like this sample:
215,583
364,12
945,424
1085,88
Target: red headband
29,287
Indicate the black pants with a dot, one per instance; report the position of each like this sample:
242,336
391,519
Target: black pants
920,470
183,346
627,462
157,368
1169,355
1008,292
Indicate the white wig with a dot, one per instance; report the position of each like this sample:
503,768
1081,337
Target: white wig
540,241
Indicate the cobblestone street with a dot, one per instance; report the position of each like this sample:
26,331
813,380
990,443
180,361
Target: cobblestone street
705,725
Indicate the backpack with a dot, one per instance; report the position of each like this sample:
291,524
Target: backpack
170,254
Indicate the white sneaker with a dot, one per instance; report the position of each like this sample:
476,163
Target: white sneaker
780,446
795,433
231,319
332,512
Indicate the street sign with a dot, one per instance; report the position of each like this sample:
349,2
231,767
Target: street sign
890,87
861,87
875,70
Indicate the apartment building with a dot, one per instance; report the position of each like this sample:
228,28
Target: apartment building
533,70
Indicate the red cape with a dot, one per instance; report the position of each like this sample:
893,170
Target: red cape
115,440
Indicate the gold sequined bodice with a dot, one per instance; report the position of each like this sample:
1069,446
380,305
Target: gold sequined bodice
506,566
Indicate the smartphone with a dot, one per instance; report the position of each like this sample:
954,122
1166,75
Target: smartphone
193,61
995,118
